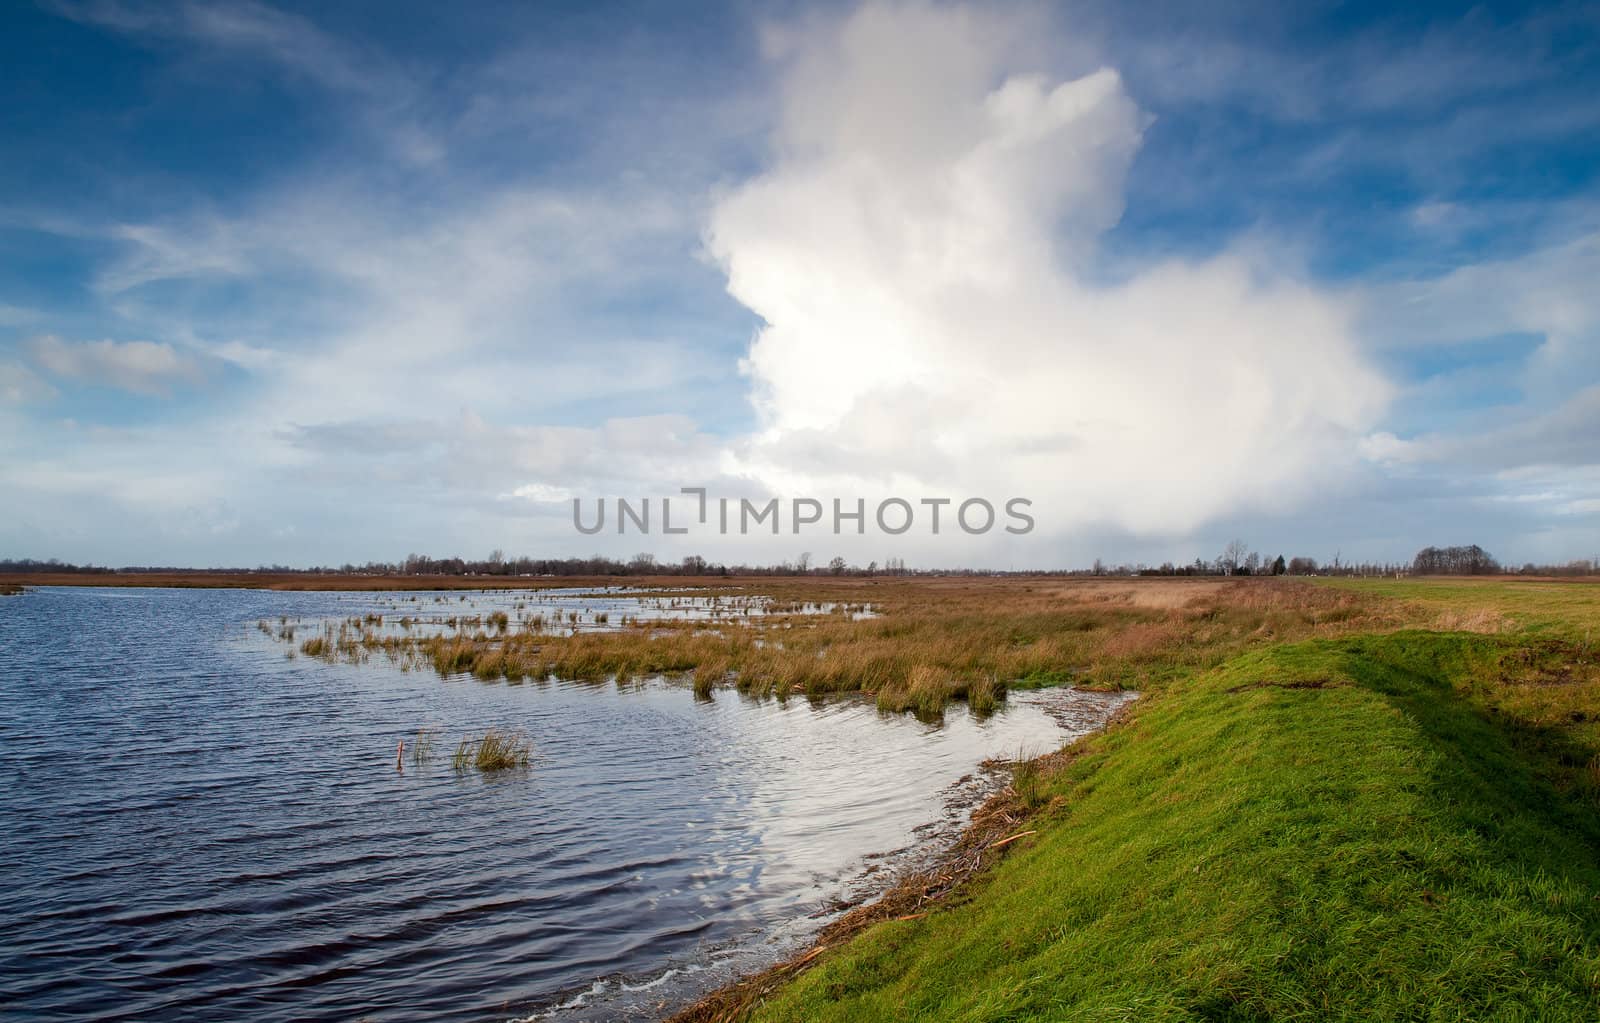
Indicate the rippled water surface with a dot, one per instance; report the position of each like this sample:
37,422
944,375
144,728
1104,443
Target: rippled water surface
197,826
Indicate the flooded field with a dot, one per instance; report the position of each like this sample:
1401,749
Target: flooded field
204,822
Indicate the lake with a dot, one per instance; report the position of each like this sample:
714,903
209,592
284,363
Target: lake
197,825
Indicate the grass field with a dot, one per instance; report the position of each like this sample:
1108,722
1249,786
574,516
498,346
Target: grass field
1394,818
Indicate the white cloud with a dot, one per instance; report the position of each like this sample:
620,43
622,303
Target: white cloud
1434,213
16,316
144,367
1548,292
19,384
542,493
1565,436
921,250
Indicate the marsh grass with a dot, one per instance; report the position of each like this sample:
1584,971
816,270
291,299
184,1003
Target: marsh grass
498,750
1027,781
928,642
422,746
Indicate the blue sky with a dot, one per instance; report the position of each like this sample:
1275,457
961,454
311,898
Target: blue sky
293,283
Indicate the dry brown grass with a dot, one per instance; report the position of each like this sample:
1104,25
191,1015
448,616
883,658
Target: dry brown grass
1481,619
933,640
1153,592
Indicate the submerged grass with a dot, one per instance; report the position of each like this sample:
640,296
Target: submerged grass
498,750
422,746
928,643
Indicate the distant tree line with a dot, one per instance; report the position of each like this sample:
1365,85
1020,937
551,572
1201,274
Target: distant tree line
1236,559
1469,560
48,565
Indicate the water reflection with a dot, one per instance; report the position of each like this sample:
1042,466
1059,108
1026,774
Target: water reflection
201,828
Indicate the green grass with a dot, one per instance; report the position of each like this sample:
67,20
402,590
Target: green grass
1356,828
1561,607
422,746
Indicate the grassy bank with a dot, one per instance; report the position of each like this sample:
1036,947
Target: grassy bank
1390,824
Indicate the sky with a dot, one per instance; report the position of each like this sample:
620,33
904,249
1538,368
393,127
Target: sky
310,284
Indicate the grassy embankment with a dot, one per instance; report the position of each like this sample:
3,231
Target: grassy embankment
1380,825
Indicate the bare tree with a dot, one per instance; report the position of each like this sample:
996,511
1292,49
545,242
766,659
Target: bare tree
1232,556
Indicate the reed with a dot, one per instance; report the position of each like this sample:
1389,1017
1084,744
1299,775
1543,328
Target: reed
422,746
498,750
927,643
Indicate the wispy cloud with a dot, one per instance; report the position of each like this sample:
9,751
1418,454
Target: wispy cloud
17,316
1547,293
1561,437
384,95
19,384
287,40
142,367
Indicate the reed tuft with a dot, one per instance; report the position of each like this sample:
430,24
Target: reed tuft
498,750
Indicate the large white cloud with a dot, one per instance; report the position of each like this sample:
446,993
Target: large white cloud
923,249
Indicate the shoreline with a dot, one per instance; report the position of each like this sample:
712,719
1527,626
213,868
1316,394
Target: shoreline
876,874
997,824
941,846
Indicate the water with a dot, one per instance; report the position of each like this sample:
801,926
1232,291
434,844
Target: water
195,826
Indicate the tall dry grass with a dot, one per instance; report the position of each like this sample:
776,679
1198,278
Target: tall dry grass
498,750
931,641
